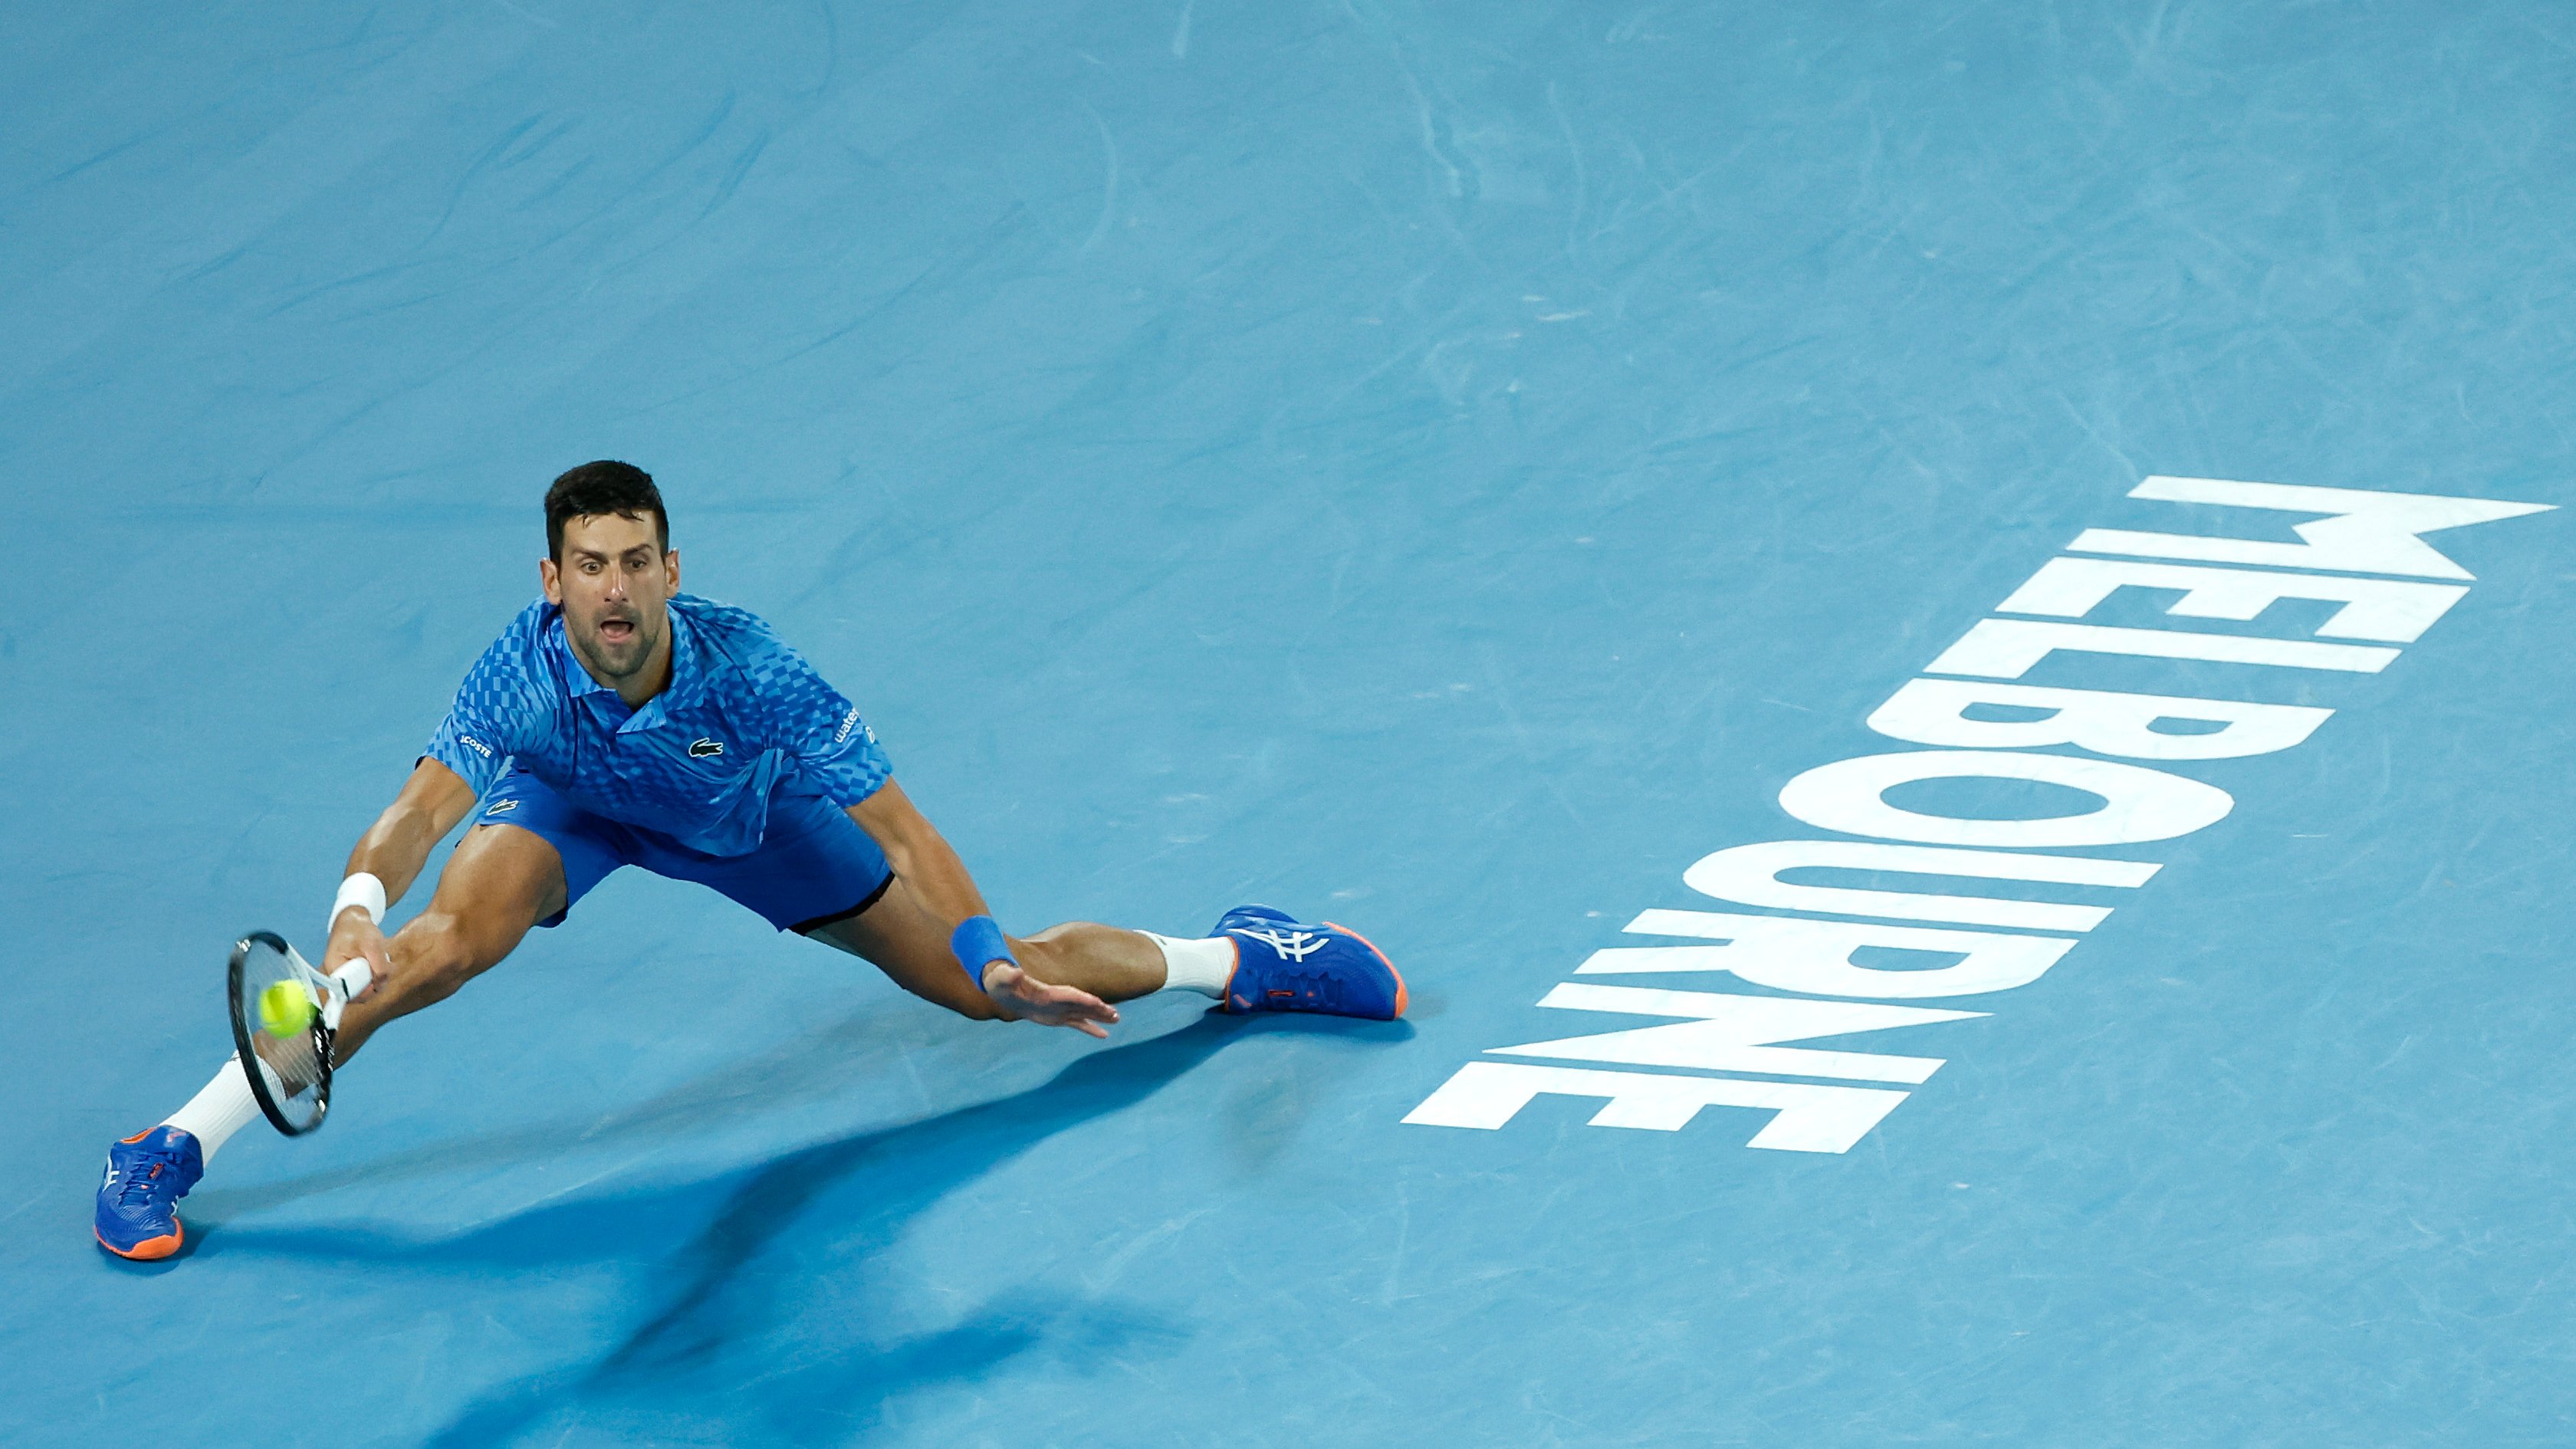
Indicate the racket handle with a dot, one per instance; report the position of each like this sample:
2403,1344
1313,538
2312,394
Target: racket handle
348,980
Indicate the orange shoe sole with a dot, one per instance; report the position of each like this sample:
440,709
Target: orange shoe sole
1383,960
152,1249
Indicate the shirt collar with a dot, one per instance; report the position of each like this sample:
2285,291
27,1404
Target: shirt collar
688,679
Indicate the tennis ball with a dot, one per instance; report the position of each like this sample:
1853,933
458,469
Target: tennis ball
284,1008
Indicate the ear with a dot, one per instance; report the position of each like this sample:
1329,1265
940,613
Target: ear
671,562
551,578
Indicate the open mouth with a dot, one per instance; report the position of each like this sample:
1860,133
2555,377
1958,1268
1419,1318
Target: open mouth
616,631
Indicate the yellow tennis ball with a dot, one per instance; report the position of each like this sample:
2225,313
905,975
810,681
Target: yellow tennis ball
285,1008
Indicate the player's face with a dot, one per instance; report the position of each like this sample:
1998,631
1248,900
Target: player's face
614,583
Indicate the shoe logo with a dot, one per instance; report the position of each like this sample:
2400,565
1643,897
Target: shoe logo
1291,945
701,749
499,807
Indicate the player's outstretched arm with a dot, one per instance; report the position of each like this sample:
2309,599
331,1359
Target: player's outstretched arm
394,850
924,860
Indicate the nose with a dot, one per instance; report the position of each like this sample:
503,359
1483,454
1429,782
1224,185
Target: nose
616,584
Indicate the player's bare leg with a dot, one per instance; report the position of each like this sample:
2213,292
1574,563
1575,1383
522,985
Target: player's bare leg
501,881
1257,959
902,937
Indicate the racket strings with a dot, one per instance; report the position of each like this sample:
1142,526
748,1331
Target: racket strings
289,1068
292,1064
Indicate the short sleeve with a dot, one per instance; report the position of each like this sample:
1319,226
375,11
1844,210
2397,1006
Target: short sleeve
499,710
821,730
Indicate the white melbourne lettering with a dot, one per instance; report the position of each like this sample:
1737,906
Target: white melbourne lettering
1294,945
2364,532
1805,1117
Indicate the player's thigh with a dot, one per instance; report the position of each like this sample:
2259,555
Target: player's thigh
501,881
909,943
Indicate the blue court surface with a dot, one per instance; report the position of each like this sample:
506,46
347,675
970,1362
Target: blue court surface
1453,469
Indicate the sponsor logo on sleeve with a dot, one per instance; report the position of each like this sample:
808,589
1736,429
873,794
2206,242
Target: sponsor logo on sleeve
477,746
850,722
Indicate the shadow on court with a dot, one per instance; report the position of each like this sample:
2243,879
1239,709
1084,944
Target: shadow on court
775,1306
808,1066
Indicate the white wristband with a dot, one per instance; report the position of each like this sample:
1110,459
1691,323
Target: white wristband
365,892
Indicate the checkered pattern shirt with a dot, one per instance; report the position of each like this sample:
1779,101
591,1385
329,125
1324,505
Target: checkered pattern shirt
744,720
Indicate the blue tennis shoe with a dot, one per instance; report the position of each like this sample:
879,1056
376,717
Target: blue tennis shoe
1283,964
147,1174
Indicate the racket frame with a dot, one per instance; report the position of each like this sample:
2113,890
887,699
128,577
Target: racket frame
331,993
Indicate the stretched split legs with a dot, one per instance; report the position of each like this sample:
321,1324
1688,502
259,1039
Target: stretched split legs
503,880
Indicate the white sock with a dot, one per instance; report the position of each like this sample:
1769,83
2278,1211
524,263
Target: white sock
1203,964
222,1109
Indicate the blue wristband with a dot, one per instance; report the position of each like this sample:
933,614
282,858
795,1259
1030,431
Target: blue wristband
979,943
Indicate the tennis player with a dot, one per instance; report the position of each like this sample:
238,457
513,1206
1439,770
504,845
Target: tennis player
622,722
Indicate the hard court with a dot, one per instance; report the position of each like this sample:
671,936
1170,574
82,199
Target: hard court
1445,468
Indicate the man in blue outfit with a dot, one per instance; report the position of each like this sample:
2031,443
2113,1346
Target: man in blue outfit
621,722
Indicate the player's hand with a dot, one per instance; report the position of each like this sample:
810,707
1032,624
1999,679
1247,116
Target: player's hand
352,936
1022,997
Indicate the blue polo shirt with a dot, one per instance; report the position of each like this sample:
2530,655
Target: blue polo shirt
744,723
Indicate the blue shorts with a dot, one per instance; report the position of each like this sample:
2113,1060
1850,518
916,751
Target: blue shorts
814,865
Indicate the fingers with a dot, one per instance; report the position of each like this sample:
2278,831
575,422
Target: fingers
1082,1005
1066,1006
380,966
362,941
1088,1014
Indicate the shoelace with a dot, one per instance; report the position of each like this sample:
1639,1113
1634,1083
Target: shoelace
136,1185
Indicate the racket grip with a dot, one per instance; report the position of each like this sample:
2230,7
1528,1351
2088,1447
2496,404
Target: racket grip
354,976
348,979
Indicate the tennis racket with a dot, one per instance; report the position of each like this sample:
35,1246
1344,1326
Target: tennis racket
285,1016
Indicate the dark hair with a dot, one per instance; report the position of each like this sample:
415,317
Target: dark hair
606,486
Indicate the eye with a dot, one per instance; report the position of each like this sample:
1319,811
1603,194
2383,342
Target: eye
590,566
